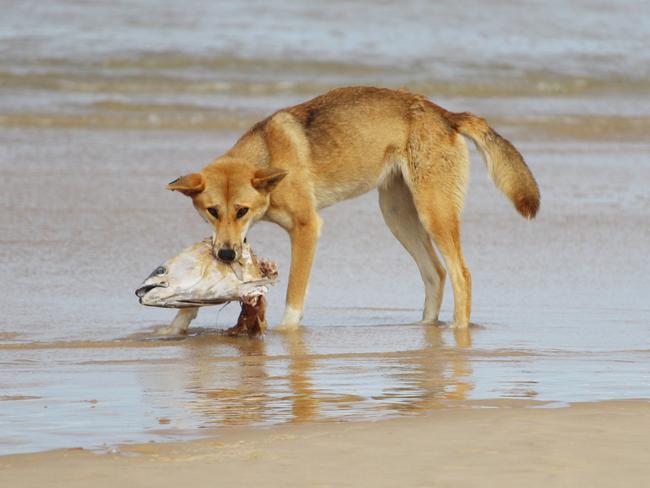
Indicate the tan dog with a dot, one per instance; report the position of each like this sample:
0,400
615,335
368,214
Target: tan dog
340,145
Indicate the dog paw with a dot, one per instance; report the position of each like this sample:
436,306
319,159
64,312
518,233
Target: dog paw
433,322
287,327
169,332
459,325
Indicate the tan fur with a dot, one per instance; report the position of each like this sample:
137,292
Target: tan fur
342,144
505,164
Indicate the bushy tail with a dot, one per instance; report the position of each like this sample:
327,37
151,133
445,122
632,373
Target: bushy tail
505,164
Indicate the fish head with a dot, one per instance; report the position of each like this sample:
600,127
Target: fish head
195,278
192,278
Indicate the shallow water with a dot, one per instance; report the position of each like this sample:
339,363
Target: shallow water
93,128
561,302
96,394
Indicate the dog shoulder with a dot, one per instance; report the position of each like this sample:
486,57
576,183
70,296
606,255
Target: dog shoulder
283,122
284,133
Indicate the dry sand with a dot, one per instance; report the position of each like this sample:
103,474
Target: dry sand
597,444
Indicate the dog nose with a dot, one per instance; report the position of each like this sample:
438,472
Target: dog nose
227,255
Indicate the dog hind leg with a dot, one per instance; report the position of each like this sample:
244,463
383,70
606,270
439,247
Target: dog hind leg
442,222
402,219
437,175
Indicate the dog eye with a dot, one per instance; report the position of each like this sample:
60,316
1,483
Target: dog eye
214,212
241,212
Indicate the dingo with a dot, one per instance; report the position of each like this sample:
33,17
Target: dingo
340,145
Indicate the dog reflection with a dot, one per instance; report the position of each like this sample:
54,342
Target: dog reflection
304,402
227,388
430,377
243,381
251,388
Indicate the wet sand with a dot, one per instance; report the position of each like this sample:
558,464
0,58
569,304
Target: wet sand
597,445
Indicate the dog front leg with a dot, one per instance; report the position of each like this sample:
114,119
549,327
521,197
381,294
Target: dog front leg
304,236
181,322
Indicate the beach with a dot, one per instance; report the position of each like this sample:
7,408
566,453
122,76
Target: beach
550,384
586,444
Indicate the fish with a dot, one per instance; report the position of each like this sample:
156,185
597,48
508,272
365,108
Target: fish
196,278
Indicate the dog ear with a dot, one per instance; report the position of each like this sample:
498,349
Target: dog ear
188,185
268,178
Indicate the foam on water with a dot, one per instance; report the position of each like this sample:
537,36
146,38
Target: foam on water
212,65
452,38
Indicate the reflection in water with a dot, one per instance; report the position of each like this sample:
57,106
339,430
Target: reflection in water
303,396
424,379
247,390
229,392
460,366
139,389
242,381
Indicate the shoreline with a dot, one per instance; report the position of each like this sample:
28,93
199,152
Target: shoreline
583,444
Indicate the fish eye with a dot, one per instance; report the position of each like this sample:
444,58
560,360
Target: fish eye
214,212
241,212
159,271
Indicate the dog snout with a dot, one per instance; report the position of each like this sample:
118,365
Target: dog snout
227,255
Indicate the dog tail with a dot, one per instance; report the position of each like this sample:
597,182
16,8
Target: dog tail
505,164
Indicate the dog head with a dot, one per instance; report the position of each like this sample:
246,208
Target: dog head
230,195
